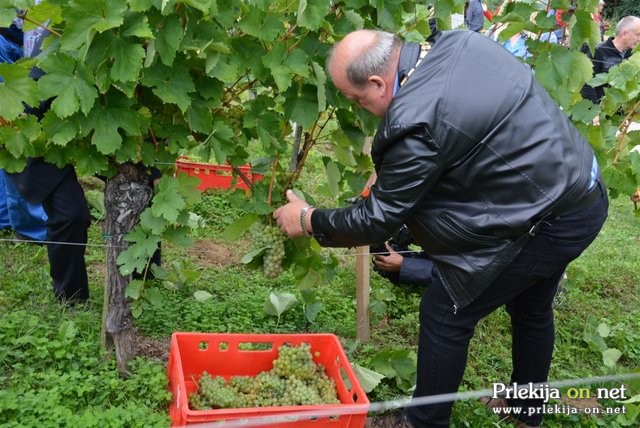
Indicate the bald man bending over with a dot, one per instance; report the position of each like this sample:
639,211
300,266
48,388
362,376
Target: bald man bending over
494,183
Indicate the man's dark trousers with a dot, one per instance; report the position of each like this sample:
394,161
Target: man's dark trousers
527,288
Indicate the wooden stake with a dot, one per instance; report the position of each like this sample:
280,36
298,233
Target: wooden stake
362,293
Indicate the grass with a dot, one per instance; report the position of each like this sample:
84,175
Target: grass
53,372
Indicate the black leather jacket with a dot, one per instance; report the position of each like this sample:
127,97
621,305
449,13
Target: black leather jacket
471,154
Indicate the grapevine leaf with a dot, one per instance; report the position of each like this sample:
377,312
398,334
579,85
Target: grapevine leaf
144,244
307,295
278,303
584,111
261,25
134,289
154,296
153,223
168,37
187,188
88,161
321,80
310,279
105,121
368,378
128,261
634,158
60,131
16,88
18,140
7,14
352,21
171,85
584,30
199,117
85,17
297,63
137,25
252,255
168,203
66,81
333,177
220,67
206,6
268,140
128,58
202,296
274,61
302,107
222,142
179,236
236,229
311,16
141,5
311,311
563,72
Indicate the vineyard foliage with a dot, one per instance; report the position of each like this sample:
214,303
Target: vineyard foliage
144,81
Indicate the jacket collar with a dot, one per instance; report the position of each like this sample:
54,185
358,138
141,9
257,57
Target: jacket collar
408,57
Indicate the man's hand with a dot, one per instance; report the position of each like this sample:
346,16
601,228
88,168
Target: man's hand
390,263
288,216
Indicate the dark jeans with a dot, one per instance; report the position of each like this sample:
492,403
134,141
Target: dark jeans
526,287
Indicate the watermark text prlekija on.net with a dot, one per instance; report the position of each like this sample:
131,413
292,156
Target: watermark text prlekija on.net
545,392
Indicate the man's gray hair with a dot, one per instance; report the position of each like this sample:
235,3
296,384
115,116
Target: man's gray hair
626,23
374,60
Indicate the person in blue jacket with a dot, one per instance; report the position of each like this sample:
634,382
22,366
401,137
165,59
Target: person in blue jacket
26,219
62,198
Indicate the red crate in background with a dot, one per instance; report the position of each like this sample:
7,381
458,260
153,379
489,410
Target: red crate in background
214,176
226,354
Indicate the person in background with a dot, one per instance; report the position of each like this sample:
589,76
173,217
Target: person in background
28,221
63,200
597,16
563,19
448,153
612,52
474,16
516,44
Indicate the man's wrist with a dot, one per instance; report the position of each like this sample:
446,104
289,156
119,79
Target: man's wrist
303,220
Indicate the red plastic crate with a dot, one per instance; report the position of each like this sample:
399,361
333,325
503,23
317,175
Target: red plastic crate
221,354
214,176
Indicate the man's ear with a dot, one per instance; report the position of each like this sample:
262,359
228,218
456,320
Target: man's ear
378,81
